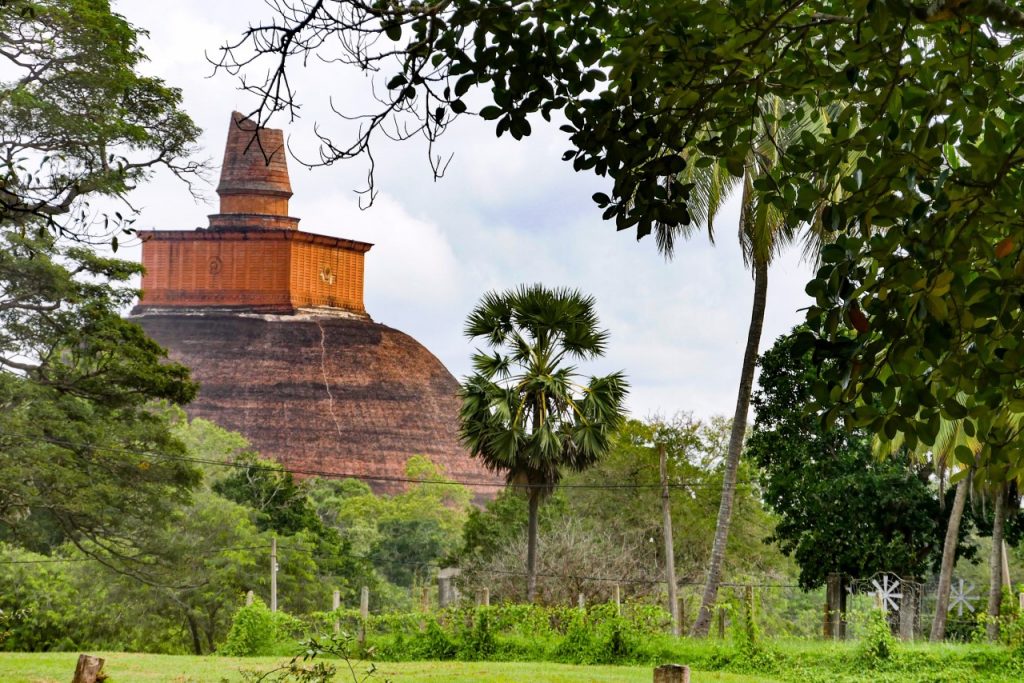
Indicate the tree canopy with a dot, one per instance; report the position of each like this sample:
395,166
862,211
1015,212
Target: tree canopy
841,509
77,118
915,300
87,455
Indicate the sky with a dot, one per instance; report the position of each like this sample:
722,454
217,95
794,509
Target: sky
504,214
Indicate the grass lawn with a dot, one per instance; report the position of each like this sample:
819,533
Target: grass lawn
128,668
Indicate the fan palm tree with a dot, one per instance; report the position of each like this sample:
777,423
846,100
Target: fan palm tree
526,413
764,232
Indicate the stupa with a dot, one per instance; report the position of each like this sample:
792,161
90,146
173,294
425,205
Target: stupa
272,322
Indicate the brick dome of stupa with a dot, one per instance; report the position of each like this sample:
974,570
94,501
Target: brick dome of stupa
272,323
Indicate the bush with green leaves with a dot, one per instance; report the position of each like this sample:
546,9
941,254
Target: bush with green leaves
878,644
476,637
578,644
256,631
38,599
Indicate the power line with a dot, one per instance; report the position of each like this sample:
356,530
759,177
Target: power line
325,474
60,560
574,577
378,563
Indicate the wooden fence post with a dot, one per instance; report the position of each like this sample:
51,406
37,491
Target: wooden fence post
748,597
672,673
618,600
249,597
581,602
833,605
721,622
88,669
273,574
485,597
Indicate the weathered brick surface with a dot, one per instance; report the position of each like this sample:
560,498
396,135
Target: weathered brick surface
332,394
255,164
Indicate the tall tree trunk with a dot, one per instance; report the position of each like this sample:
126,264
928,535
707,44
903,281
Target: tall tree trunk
948,560
670,553
531,546
995,583
739,427
193,627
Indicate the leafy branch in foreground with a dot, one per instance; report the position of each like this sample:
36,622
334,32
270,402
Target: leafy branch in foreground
303,669
916,302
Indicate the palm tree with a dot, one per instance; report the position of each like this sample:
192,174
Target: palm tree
995,583
951,435
763,232
949,546
525,411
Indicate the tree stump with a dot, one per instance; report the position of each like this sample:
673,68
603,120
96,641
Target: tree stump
88,669
672,673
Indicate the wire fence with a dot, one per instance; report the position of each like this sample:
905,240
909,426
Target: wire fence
780,609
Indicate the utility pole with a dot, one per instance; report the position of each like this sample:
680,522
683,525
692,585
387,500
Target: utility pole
670,555
273,574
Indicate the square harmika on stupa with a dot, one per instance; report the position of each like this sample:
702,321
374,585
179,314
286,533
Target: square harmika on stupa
272,323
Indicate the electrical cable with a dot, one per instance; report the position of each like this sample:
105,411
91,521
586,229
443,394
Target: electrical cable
678,484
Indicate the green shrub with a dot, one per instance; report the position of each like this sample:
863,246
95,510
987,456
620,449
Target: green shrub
577,646
435,643
477,642
646,618
618,640
878,643
751,652
256,631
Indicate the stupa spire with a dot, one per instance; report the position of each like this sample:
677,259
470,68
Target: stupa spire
254,186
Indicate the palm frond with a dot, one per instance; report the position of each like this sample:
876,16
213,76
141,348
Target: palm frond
523,410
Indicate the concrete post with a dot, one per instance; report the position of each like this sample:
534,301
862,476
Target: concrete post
273,574
335,604
364,612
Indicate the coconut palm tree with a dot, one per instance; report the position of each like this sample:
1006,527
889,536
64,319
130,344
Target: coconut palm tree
951,436
956,449
526,413
764,232
995,582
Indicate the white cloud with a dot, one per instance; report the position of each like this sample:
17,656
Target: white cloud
411,263
506,213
